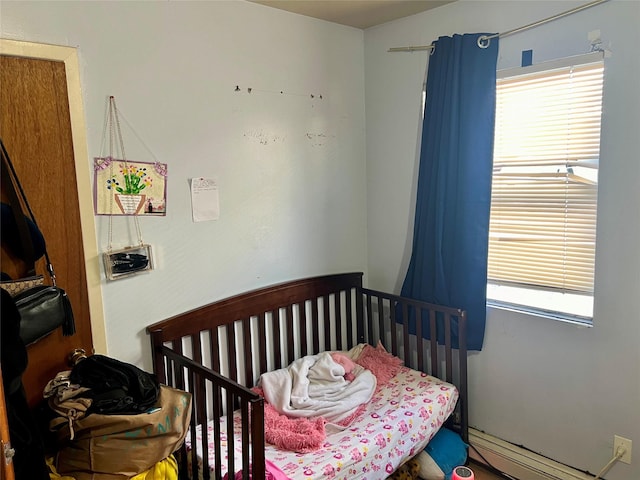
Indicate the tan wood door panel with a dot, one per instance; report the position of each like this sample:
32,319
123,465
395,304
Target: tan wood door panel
36,130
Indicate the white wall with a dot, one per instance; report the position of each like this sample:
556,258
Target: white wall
557,389
289,167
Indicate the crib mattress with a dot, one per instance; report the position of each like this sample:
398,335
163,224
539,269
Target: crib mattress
396,425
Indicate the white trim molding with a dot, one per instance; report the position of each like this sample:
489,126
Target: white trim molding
519,462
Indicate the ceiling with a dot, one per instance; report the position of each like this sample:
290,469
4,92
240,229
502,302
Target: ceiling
355,13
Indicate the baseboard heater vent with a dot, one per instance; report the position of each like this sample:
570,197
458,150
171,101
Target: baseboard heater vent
519,462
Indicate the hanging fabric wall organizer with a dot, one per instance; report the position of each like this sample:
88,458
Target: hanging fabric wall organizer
126,198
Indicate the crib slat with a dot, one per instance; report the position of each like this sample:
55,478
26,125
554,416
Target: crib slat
419,338
337,300
199,394
193,422
314,323
393,327
177,345
196,346
302,315
434,343
231,352
179,373
290,341
217,409
462,372
214,345
349,310
405,332
171,380
201,408
360,317
369,312
277,343
262,343
327,322
215,349
380,318
246,345
231,441
244,420
257,437
447,348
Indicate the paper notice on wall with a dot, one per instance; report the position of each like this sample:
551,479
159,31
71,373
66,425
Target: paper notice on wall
204,199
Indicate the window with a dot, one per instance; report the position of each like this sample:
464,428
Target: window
545,188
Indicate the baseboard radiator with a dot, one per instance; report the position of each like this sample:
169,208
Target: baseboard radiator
519,462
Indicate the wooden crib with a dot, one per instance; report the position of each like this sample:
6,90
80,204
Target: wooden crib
218,352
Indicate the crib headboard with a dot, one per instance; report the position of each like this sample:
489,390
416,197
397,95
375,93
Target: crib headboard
243,336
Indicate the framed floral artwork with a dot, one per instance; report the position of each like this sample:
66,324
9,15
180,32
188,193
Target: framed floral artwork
124,187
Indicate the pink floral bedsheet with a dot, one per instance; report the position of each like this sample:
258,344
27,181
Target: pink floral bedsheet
398,422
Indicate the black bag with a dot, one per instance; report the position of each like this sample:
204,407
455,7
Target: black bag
116,387
42,308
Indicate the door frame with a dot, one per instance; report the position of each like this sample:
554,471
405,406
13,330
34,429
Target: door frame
69,56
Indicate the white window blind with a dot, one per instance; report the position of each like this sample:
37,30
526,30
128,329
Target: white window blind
544,193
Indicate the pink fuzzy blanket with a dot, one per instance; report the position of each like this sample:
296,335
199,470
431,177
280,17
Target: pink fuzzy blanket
295,434
300,434
381,363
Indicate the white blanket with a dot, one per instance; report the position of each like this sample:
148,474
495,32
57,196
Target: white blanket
314,386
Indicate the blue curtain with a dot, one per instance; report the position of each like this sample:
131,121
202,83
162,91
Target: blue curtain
451,233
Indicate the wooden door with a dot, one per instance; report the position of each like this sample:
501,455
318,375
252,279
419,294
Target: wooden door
36,130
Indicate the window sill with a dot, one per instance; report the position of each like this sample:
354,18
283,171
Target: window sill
540,313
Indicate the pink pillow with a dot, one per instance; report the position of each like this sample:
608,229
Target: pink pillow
380,362
347,364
